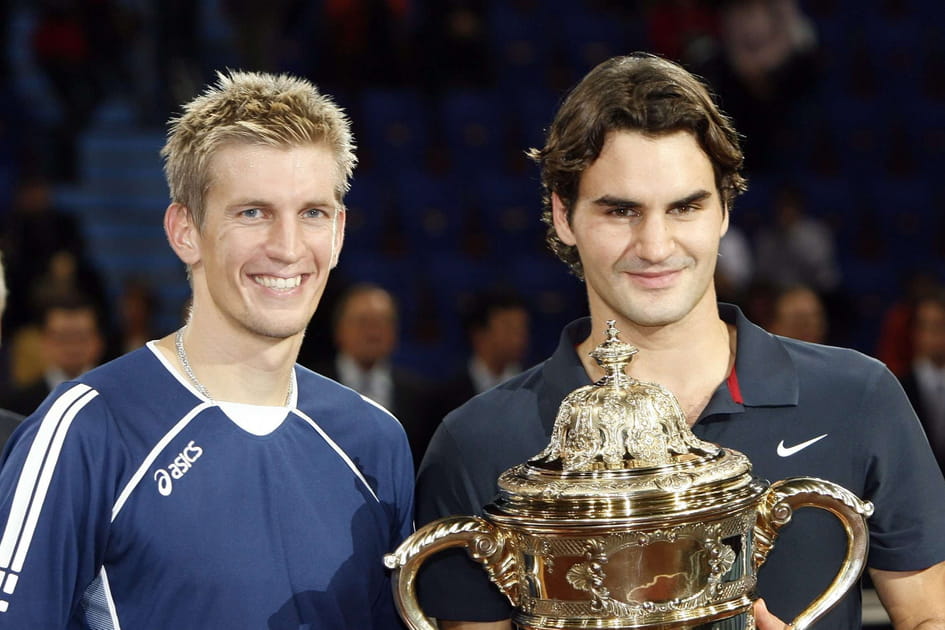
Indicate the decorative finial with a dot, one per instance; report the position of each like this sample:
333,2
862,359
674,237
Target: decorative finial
613,355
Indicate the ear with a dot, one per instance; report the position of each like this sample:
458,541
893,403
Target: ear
181,233
559,214
725,220
338,236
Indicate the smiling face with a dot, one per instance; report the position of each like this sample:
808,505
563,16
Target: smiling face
647,224
273,230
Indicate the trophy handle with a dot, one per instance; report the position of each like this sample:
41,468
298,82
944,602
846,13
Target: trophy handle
483,542
777,506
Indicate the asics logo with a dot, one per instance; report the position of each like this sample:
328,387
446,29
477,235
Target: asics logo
787,451
178,468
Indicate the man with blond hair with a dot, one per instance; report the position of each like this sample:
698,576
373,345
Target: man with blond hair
207,480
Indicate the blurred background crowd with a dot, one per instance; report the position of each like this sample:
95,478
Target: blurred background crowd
445,284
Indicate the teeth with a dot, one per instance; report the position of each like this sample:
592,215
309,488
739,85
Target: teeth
272,282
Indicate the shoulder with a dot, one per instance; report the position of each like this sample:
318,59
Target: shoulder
824,354
334,405
515,396
139,386
69,425
372,438
816,363
493,431
126,374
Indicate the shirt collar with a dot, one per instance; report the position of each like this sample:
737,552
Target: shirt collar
766,374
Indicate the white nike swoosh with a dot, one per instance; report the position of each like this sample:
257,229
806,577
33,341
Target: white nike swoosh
787,451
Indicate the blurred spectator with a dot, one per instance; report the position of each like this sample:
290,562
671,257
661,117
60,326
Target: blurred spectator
683,30
765,68
925,381
45,253
895,344
798,313
71,344
365,332
498,328
8,419
735,269
136,307
797,248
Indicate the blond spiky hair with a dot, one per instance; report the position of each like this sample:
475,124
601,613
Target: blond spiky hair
251,108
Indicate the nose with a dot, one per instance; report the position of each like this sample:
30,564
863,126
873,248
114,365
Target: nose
653,239
285,240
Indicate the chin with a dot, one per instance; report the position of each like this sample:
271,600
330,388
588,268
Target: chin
277,330
655,317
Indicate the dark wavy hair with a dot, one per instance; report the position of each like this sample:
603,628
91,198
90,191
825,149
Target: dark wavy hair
639,92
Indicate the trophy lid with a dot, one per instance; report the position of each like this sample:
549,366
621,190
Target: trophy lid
624,441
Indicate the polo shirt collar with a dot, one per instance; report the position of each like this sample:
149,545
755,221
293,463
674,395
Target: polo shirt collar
764,371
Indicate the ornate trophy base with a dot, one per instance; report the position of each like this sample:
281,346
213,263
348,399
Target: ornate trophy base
741,621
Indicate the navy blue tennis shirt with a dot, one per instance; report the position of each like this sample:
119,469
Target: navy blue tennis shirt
794,408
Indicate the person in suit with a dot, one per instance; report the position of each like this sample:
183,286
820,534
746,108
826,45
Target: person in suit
925,381
365,329
799,313
9,420
497,327
71,342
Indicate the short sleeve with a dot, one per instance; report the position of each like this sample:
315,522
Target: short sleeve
903,480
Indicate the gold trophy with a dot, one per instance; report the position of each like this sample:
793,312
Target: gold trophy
628,520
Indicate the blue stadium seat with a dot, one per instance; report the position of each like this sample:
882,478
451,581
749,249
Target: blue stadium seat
520,42
432,212
474,126
394,123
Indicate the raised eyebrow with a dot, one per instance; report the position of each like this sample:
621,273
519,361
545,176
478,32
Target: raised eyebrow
699,195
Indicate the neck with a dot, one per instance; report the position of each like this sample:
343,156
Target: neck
251,369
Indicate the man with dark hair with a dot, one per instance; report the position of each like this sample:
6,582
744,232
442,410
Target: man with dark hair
640,170
798,312
71,342
365,327
497,328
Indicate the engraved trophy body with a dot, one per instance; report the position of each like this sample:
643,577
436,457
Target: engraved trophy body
628,520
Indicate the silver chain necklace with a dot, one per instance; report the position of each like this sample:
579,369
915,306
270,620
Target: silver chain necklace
182,356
